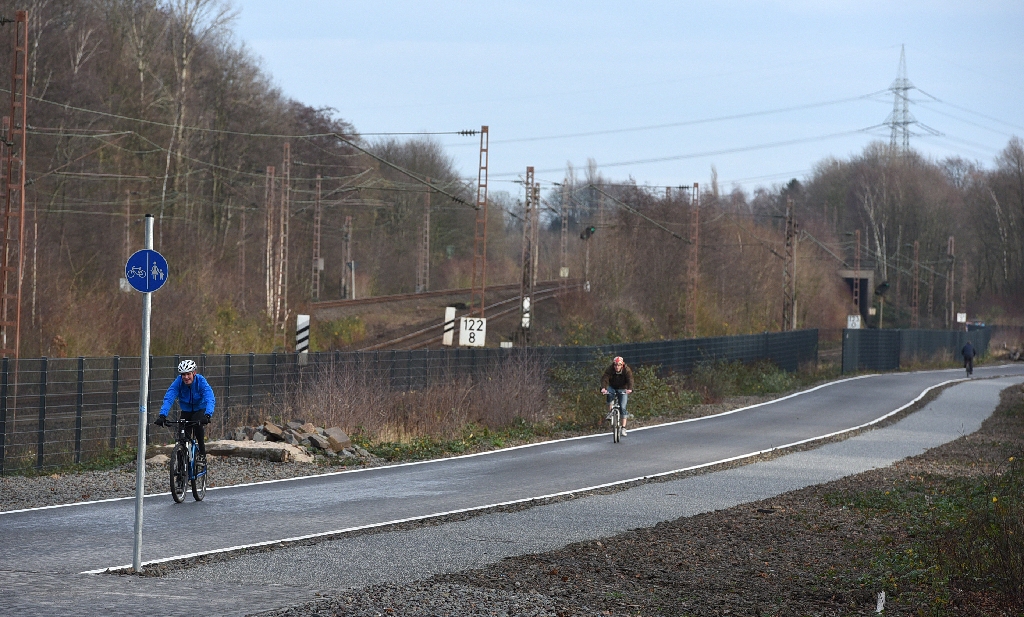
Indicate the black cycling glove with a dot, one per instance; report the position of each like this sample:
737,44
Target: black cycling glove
160,420
206,419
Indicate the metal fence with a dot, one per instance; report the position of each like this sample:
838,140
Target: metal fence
59,411
888,350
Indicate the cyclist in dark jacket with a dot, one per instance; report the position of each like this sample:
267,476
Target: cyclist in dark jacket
968,353
195,397
618,381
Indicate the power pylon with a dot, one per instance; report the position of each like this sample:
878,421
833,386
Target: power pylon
950,276
963,287
563,262
900,119
915,310
12,257
127,225
694,274
528,278
535,230
789,272
318,262
856,271
479,278
346,253
243,240
268,197
423,261
931,294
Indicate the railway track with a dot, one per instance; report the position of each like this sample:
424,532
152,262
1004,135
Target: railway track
328,304
432,334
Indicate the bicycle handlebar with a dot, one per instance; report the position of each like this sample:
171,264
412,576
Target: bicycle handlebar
185,422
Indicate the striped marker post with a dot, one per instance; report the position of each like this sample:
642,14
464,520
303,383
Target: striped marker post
449,325
302,338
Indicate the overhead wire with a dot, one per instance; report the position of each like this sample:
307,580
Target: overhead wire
407,173
69,107
679,157
655,127
640,214
970,111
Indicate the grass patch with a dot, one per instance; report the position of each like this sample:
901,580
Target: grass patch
962,540
474,438
104,461
715,380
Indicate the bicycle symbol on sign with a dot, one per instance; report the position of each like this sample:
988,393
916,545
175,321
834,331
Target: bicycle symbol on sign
136,271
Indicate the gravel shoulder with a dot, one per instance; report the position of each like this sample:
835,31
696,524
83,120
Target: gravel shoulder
800,553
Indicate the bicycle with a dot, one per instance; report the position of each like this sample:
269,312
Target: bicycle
615,417
183,463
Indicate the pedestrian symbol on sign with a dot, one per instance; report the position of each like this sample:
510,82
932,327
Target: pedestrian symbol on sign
146,270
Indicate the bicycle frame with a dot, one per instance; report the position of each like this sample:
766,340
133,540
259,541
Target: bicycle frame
188,440
188,447
615,417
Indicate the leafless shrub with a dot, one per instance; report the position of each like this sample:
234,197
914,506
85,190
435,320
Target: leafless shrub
362,401
513,389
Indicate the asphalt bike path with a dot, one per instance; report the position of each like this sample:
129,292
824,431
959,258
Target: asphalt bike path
41,545
352,562
96,536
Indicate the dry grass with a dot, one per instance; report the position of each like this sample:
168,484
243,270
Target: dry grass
363,403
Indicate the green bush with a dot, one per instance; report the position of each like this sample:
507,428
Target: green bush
716,379
576,399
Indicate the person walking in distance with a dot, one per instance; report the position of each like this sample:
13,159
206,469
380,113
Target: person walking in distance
968,353
195,397
617,381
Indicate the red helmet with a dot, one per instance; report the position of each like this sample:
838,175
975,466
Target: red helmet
618,360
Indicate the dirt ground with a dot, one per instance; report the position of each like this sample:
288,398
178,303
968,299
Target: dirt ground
797,554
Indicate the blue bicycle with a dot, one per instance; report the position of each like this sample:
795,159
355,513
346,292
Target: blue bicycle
184,467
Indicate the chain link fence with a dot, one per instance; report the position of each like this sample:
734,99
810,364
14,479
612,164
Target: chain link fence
888,350
61,411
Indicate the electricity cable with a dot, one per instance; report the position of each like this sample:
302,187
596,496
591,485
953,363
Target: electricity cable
655,127
679,157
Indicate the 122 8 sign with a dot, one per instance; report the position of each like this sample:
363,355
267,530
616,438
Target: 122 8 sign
472,331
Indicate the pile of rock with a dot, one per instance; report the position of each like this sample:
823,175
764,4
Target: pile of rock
296,441
330,442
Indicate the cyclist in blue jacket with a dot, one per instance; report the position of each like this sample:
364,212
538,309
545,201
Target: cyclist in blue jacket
195,397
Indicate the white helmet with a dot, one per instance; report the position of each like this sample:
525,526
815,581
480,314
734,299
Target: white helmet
186,366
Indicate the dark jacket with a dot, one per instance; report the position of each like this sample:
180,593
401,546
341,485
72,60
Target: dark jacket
619,381
968,351
198,396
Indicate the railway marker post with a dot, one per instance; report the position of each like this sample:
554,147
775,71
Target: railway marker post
472,331
302,338
449,326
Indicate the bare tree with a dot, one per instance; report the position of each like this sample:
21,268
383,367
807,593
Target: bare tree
193,23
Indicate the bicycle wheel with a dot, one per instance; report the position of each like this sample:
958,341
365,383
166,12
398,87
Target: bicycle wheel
179,474
198,481
616,424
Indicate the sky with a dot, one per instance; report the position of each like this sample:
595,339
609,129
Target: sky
658,91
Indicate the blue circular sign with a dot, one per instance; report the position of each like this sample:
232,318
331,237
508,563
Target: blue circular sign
146,270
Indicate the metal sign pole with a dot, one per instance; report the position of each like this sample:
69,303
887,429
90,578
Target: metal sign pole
140,462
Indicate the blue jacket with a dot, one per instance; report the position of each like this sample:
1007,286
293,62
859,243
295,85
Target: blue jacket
196,397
